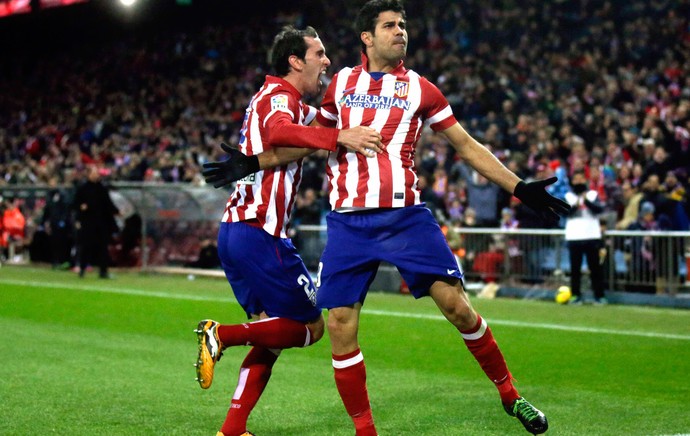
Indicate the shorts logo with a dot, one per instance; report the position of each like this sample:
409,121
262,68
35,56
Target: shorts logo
279,102
401,89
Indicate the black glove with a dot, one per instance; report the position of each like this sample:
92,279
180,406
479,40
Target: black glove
547,206
237,166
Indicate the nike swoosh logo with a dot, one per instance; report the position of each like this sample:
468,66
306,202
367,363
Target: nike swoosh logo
450,271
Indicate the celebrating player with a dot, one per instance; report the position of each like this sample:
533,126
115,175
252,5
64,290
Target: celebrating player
377,214
267,275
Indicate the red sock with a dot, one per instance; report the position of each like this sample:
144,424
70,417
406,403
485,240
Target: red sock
480,341
351,380
267,333
254,375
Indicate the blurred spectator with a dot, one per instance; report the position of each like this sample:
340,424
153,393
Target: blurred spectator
515,255
508,220
95,223
307,208
208,256
584,238
57,223
641,250
652,192
483,197
658,165
129,244
13,230
427,195
677,201
308,211
631,199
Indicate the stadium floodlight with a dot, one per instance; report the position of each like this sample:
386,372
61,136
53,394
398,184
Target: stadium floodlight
127,3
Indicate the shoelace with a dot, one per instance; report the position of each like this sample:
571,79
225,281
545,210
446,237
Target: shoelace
523,408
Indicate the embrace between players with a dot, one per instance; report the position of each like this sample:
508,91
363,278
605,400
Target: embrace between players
370,120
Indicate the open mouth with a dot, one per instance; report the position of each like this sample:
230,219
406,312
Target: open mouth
323,79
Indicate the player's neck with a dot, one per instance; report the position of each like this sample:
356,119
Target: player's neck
296,82
380,65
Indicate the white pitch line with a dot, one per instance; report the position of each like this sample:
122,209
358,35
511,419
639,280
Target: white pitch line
229,298
120,291
536,325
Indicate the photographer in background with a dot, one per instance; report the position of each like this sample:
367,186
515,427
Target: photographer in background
583,236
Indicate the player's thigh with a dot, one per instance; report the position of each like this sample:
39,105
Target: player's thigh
420,251
348,263
266,273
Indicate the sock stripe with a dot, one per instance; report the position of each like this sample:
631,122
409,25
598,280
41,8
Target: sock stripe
241,383
340,364
476,335
264,320
307,340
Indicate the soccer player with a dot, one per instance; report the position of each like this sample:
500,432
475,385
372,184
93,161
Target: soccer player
267,275
377,214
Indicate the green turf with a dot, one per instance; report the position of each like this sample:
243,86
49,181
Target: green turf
114,357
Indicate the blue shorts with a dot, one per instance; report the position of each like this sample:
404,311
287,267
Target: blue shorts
408,238
266,273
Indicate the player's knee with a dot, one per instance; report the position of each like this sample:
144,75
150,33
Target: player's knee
316,329
340,323
459,313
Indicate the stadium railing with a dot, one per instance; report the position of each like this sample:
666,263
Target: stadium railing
179,220
648,262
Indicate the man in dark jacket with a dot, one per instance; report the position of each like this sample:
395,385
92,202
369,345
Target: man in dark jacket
95,222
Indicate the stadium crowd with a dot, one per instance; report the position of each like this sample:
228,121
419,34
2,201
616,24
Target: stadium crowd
550,87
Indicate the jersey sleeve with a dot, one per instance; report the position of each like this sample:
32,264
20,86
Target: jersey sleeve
436,109
328,115
282,129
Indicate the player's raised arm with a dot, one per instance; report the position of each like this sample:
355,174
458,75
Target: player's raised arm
533,194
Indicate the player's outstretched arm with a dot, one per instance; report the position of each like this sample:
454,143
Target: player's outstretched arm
533,194
238,165
235,167
480,158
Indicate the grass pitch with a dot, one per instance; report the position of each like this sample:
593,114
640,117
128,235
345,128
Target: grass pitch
114,357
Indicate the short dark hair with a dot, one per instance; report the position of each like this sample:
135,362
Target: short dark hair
576,172
369,13
289,41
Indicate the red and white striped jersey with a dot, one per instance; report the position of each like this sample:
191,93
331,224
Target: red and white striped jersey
398,105
269,195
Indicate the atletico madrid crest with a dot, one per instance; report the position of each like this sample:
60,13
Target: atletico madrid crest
401,89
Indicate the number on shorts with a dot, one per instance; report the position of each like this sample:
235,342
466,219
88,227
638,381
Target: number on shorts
306,285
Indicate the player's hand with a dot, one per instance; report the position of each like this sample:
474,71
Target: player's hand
361,139
534,195
237,166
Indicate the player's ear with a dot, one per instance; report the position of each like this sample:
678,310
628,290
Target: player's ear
296,63
367,38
